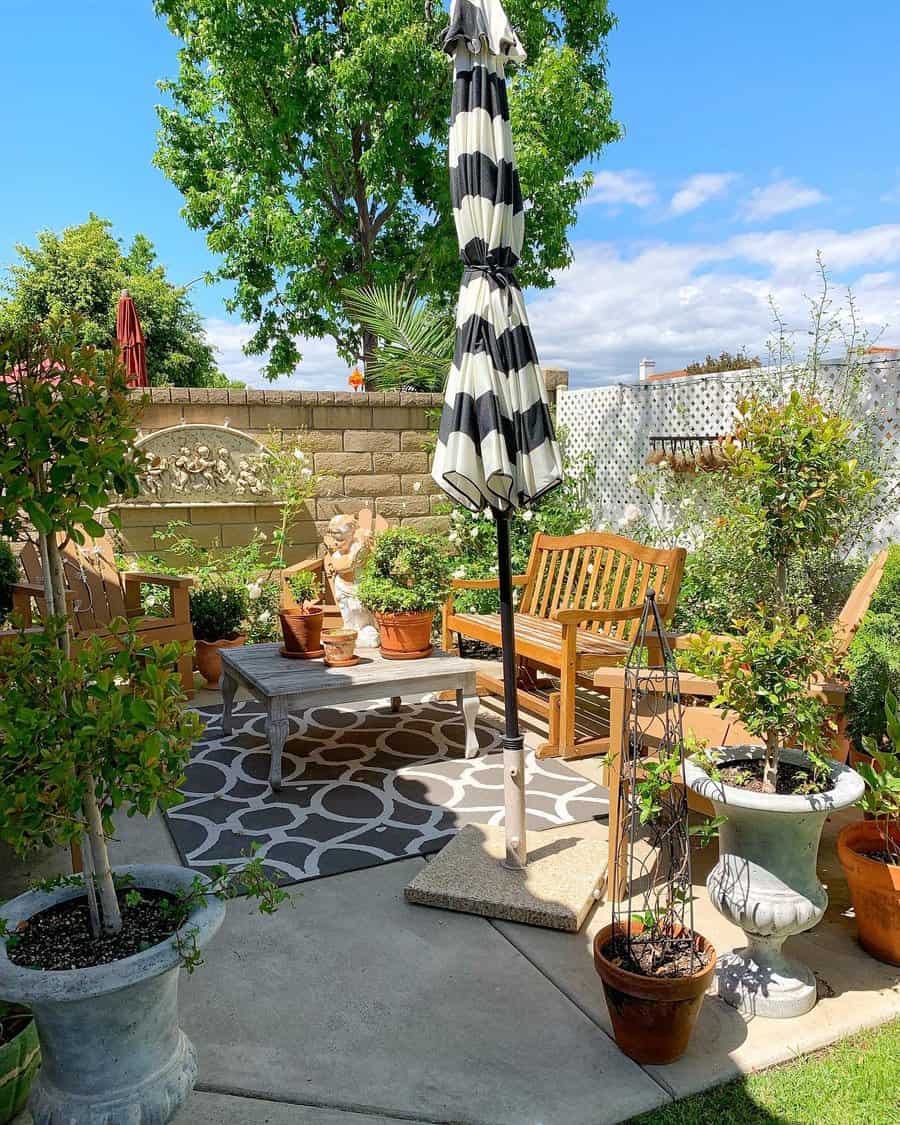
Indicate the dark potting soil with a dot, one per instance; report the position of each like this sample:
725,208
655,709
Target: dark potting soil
791,781
649,958
13,1020
881,856
60,937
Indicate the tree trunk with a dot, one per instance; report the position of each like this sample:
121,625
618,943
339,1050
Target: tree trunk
369,348
770,769
96,840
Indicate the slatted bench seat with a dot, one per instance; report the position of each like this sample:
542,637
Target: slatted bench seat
580,605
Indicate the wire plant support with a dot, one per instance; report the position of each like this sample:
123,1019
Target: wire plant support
653,832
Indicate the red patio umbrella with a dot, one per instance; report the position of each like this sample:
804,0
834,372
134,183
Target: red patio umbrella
130,337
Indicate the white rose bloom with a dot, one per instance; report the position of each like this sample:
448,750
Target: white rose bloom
687,502
488,514
263,537
306,472
528,515
150,600
474,533
663,465
254,591
264,616
453,537
633,479
630,516
299,454
460,572
581,530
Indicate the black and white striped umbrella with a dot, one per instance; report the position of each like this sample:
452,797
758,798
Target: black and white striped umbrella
496,446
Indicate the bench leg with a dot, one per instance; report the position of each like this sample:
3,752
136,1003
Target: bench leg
567,681
186,672
550,748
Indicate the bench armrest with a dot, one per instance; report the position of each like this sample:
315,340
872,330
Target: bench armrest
582,616
173,582
485,583
306,564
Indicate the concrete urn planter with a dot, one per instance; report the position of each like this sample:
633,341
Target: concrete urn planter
113,1053
766,881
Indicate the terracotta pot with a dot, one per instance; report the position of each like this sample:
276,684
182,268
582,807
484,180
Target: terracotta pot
652,1017
302,631
405,636
339,645
874,888
208,660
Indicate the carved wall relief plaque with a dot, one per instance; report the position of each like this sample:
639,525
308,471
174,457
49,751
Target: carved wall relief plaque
191,465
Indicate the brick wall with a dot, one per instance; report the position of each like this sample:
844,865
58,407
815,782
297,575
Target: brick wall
371,449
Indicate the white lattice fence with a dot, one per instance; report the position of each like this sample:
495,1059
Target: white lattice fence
615,424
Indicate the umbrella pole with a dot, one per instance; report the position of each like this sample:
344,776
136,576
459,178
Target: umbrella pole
513,742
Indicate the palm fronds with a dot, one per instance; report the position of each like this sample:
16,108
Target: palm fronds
415,341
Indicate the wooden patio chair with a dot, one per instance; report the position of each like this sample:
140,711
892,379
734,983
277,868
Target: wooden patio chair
581,602
97,592
717,726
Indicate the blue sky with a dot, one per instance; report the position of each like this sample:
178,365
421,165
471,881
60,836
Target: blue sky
755,135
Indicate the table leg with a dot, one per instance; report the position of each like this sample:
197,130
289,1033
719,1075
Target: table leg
228,686
467,701
277,726
395,703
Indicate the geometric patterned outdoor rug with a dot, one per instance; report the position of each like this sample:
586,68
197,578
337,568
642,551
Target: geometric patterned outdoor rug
361,786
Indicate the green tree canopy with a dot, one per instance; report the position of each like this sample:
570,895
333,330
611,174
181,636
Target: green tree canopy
310,141
83,270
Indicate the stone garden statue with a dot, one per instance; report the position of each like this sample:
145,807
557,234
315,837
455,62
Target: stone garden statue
349,544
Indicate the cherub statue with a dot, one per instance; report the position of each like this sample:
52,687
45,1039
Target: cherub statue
348,544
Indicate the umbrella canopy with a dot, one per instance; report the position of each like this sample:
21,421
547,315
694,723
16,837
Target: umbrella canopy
496,446
130,337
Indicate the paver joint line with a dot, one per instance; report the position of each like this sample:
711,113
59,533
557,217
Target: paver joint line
574,1002
343,1107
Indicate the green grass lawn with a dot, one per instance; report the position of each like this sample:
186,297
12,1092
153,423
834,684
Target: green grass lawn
855,1082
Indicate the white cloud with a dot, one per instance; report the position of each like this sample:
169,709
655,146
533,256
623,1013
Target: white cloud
699,189
626,187
778,198
321,368
676,302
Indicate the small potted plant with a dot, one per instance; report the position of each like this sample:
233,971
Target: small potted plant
405,580
217,615
20,1057
301,625
869,850
97,956
775,798
340,646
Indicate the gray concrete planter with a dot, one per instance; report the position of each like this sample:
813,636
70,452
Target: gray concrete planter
113,1053
766,881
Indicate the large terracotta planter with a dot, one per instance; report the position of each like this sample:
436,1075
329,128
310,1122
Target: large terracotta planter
111,1047
652,1017
208,659
874,888
766,880
20,1058
302,631
405,636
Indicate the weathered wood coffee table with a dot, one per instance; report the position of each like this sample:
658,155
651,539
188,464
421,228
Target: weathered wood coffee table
295,685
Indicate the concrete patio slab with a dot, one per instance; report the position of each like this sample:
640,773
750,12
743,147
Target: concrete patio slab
855,990
356,999
565,873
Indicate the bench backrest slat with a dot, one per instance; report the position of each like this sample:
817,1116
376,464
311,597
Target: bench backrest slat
91,576
599,570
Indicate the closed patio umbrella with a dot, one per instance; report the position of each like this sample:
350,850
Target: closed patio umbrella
496,446
130,337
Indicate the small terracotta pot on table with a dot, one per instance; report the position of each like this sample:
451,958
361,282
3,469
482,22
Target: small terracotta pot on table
339,645
302,632
405,636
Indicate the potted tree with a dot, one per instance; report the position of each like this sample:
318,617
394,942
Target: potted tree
869,850
20,1057
775,798
217,615
301,625
404,581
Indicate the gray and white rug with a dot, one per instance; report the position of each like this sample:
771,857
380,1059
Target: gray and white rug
362,786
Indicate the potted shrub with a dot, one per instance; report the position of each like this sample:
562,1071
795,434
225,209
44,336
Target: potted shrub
405,580
20,1057
301,626
217,614
97,956
869,850
775,798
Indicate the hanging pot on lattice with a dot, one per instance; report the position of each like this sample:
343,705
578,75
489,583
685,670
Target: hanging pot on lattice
654,966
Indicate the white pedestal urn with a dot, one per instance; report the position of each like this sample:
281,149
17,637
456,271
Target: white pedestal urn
113,1053
766,881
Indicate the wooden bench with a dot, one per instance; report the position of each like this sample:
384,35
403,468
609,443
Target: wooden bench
581,601
97,593
715,725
